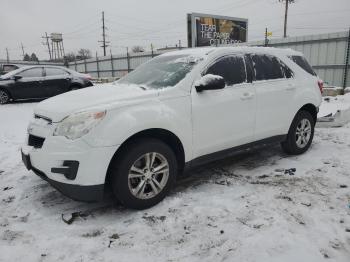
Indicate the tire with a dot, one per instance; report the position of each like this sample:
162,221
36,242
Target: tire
4,96
300,134
132,178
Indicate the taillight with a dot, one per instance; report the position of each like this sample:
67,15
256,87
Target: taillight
320,85
88,77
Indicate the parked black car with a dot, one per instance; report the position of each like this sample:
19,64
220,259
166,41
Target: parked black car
31,82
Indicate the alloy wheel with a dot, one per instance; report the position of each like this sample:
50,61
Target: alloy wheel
4,98
303,133
148,175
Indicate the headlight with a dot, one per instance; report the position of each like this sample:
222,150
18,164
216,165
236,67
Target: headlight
79,124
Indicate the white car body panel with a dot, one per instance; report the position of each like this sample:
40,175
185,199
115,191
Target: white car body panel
205,122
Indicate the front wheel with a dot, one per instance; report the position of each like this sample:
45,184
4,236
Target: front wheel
300,135
4,97
144,173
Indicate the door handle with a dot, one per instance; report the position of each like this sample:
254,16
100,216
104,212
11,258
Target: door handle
247,96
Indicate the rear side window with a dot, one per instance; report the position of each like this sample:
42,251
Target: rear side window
286,71
55,72
231,68
267,67
302,62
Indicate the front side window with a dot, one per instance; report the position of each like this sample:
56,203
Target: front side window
231,68
33,72
161,72
266,67
55,72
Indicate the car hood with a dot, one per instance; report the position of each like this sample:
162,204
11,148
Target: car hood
105,96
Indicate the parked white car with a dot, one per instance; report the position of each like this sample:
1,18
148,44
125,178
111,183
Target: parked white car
178,110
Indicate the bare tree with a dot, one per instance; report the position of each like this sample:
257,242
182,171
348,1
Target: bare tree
138,49
34,58
70,57
84,53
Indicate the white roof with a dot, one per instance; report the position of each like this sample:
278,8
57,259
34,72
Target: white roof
204,51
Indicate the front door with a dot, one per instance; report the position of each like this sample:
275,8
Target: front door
224,118
30,85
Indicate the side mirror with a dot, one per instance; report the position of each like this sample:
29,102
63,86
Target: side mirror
17,77
210,82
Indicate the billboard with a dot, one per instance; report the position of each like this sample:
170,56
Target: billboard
213,30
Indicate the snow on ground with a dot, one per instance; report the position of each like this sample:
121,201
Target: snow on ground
240,209
331,105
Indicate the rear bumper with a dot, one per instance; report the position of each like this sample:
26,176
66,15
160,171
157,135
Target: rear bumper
89,193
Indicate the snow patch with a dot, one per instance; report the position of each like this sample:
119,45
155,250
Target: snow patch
207,79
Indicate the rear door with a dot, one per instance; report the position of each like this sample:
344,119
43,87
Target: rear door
224,118
57,81
275,88
30,85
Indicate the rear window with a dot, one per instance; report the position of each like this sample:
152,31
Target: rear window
301,61
9,68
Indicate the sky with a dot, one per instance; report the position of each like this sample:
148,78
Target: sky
156,22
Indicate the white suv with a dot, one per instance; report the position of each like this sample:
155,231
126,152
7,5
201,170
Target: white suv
174,112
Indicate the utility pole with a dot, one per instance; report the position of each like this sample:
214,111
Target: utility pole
47,44
104,42
286,15
7,55
22,47
285,19
346,62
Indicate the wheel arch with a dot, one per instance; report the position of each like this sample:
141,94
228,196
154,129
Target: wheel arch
163,135
75,84
311,108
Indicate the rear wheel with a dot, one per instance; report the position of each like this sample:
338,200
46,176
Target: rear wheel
300,134
4,96
144,173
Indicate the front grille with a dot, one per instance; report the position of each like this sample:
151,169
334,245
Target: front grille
35,141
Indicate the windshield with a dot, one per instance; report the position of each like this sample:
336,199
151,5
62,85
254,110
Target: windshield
161,72
12,73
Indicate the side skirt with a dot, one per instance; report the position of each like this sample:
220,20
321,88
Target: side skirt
232,151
